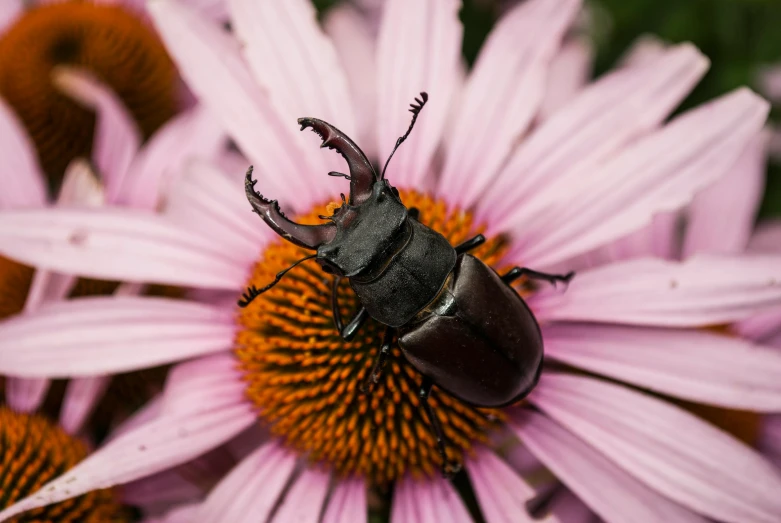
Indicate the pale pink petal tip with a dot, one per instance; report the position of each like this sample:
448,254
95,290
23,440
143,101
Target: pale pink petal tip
81,186
209,410
676,453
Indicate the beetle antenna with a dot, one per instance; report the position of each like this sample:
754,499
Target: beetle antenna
415,110
253,292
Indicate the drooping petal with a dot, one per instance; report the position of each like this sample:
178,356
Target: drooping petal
612,493
600,120
767,237
252,489
569,508
660,173
721,218
117,137
160,444
690,364
761,328
425,59
569,73
304,501
422,501
502,494
81,396
211,62
118,244
356,47
306,79
25,394
21,177
676,453
701,291
92,336
192,133
205,196
502,95
347,502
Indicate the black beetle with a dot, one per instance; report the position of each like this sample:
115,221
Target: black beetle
457,321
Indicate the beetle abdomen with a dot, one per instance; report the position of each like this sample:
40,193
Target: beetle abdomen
487,349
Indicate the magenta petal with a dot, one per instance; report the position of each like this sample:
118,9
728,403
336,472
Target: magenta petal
672,451
211,62
304,501
569,508
91,336
502,95
25,394
427,58
767,237
612,493
701,291
427,500
252,489
721,218
166,441
21,177
570,72
347,502
118,244
117,138
690,364
81,396
501,493
763,328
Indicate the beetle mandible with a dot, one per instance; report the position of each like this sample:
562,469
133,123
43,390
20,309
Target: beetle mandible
457,321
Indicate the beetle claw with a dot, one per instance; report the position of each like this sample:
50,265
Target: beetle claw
450,469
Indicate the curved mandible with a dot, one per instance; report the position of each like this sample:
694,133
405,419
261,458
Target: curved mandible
307,236
362,175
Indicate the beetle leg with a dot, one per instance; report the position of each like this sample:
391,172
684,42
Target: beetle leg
449,468
348,332
471,243
516,272
414,213
379,363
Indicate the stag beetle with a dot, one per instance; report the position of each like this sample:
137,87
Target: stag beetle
457,321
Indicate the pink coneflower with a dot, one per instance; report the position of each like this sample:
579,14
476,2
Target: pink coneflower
591,171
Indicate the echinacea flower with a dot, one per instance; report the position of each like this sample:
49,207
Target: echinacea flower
132,175
591,171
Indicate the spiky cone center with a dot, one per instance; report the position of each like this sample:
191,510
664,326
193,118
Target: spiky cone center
34,451
305,379
109,41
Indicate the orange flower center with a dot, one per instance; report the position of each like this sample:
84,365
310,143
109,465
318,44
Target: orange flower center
34,451
305,379
112,43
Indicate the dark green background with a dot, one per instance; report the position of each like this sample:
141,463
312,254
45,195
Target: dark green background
739,36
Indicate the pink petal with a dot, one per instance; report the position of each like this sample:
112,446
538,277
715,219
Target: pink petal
252,489
80,186
425,59
160,444
599,121
762,328
307,78
721,218
767,237
501,493
690,364
569,508
770,82
613,494
569,72
192,133
21,177
211,62
356,47
770,439
118,244
659,173
347,502
701,291
117,138
502,94
644,49
91,336
25,394
9,11
205,196
304,501
427,500
80,399
674,452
